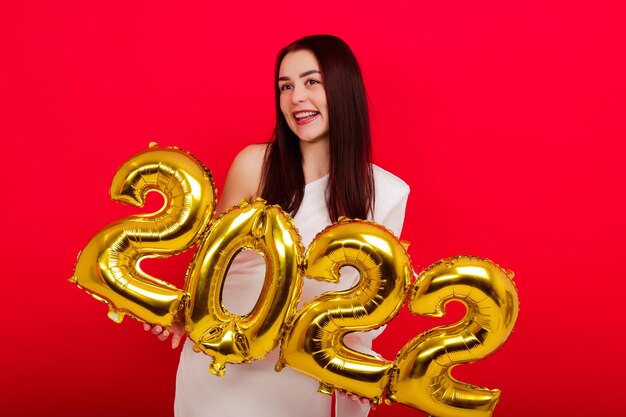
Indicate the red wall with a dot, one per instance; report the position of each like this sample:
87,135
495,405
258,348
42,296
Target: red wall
505,118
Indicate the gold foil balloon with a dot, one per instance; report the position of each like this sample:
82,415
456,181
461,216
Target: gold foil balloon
109,269
422,376
314,344
215,330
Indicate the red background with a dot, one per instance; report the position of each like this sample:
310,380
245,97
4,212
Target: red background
505,118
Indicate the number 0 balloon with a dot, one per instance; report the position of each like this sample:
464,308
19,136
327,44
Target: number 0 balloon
224,335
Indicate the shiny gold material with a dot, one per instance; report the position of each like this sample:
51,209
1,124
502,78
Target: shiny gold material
109,269
421,377
216,331
314,344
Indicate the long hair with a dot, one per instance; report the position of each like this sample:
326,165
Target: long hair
351,182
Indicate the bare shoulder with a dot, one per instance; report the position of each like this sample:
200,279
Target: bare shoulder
244,176
250,158
248,166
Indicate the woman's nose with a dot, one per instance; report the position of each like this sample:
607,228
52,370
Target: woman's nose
299,94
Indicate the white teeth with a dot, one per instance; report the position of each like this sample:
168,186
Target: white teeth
304,114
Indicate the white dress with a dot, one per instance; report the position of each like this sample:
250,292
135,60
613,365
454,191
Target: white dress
256,389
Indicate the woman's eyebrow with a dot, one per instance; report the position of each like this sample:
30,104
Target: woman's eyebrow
304,74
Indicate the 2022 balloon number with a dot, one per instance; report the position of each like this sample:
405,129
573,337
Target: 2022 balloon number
311,337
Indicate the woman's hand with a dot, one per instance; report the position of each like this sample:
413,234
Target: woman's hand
178,332
354,397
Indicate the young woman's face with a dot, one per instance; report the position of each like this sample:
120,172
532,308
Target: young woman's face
302,96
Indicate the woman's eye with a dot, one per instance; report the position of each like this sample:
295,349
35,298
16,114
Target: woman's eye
312,82
285,87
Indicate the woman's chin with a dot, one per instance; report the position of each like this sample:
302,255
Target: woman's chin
313,138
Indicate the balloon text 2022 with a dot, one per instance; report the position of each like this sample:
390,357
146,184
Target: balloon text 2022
311,338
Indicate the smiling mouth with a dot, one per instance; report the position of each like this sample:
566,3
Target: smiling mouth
304,117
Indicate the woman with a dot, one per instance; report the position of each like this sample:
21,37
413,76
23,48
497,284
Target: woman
318,168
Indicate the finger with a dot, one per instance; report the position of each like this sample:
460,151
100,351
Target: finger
157,330
365,400
163,336
353,397
373,406
176,338
146,326
341,393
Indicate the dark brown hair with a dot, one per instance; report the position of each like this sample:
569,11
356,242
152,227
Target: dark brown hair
351,182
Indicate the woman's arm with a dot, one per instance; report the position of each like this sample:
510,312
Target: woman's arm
243,179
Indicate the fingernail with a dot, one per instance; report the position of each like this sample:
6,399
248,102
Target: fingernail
158,329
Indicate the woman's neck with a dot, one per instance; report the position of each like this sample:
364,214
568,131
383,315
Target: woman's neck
315,159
